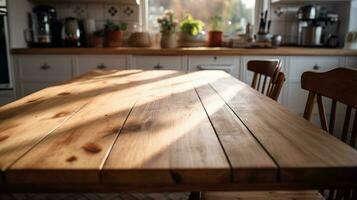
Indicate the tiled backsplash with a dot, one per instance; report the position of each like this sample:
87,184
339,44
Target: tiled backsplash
100,12
284,20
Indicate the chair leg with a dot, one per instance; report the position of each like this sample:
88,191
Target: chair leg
195,196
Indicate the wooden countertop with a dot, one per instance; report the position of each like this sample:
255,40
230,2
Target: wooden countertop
283,51
135,130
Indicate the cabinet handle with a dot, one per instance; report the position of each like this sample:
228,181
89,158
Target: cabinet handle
158,66
215,57
101,66
316,67
45,67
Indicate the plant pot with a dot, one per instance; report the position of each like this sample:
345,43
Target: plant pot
215,38
168,40
97,42
188,40
140,39
114,38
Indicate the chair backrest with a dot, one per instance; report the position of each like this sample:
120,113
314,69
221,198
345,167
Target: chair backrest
269,71
339,85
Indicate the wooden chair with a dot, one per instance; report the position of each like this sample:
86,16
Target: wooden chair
339,85
268,70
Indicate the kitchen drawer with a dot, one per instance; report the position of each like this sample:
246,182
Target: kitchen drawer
47,68
87,63
228,64
300,64
159,62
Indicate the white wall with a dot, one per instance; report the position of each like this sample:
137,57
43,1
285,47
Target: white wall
18,10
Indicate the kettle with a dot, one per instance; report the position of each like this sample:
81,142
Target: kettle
71,33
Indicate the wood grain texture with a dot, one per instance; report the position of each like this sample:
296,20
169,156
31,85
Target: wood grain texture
167,140
302,151
293,51
80,136
250,163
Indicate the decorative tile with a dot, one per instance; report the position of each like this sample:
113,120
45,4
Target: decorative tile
111,11
129,13
79,10
278,12
64,10
96,11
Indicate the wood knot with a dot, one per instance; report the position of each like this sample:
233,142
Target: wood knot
91,148
60,114
71,159
63,94
34,100
4,137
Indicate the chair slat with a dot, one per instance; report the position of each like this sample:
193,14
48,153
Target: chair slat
264,83
254,82
346,123
309,105
332,116
322,112
259,79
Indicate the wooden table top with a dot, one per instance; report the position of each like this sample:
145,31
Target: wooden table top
163,131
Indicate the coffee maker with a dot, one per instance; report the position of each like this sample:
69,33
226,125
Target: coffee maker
317,27
44,28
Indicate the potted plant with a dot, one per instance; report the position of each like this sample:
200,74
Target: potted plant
114,33
215,35
97,39
168,25
190,34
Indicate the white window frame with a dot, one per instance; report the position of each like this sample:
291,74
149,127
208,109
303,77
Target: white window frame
260,6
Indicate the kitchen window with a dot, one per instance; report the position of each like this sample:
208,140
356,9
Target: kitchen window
236,13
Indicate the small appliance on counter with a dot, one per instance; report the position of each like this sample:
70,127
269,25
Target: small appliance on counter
317,27
44,28
73,33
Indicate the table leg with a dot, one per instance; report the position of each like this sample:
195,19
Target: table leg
195,196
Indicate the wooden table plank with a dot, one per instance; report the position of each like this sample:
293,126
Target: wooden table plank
167,140
26,122
250,162
76,151
304,153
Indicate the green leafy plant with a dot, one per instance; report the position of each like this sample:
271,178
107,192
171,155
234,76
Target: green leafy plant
111,26
99,33
191,26
167,22
216,23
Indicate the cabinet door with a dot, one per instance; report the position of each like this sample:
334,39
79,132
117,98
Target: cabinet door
228,64
47,68
159,62
89,62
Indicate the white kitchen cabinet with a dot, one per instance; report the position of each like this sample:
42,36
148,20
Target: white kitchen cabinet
87,63
160,62
229,64
48,68
35,72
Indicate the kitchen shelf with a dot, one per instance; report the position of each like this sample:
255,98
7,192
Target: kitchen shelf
136,2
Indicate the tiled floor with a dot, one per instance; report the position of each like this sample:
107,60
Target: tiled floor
97,196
